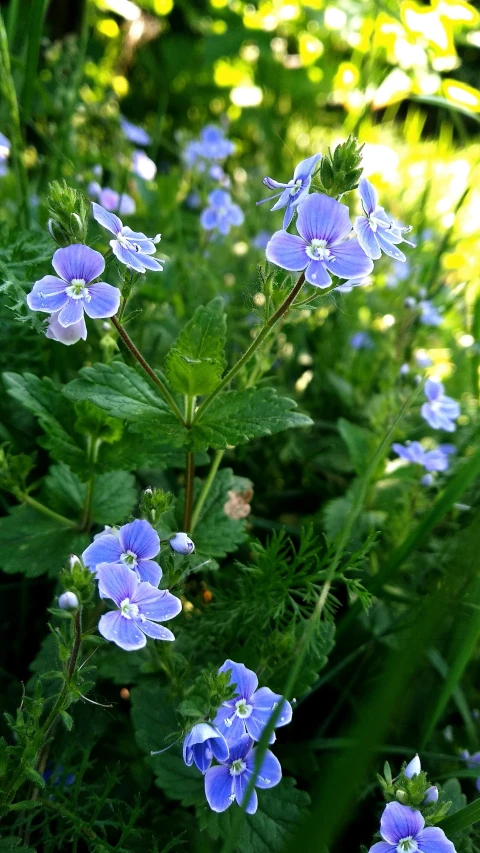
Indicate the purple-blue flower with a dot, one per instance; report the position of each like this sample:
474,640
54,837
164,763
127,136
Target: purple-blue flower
133,133
111,200
431,460
403,830
250,709
202,744
73,292
228,781
361,340
441,411
182,544
221,212
4,154
71,335
139,607
430,315
295,191
134,545
323,225
131,248
376,232
212,145
143,166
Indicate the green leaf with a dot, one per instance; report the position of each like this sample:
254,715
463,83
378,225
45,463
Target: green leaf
114,494
461,819
195,363
359,442
34,544
67,720
280,811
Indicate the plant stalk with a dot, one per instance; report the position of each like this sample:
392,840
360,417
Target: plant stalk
206,488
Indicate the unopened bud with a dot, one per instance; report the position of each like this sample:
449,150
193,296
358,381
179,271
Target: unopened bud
74,561
68,601
402,796
182,544
413,768
431,795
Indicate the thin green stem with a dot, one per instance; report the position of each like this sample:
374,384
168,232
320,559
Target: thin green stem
93,448
12,18
206,488
7,88
189,483
23,497
267,328
35,27
148,370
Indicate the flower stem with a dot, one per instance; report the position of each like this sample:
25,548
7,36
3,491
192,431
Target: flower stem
70,671
7,88
206,488
189,480
276,316
27,499
148,370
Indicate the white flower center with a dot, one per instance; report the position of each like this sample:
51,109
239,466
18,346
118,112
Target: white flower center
296,186
407,845
243,709
127,242
128,558
129,610
78,289
238,766
317,250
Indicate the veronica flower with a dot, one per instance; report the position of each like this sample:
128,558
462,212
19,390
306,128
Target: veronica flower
250,709
361,340
228,782
111,200
221,212
69,295
143,166
212,145
323,224
182,544
71,335
431,460
295,191
139,607
203,743
376,232
403,830
430,315
131,248
133,133
441,411
134,545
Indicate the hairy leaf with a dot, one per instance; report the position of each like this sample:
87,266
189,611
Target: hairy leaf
195,363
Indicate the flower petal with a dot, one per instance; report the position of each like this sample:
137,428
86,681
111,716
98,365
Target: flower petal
219,747
367,237
266,700
105,549
368,195
434,840
317,275
228,724
287,251
72,312
125,256
202,756
104,301
78,261
156,604
433,389
156,632
245,679
150,571
109,221
116,581
382,847
219,788
288,215
67,336
323,218
48,295
305,168
150,263
270,771
240,784
141,538
399,822
388,247
350,261
115,627
283,200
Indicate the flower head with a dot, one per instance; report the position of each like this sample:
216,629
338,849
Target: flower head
431,460
440,411
131,248
202,744
134,546
73,292
376,232
111,200
295,191
133,133
403,830
323,224
221,212
182,544
139,607
228,782
250,709
212,145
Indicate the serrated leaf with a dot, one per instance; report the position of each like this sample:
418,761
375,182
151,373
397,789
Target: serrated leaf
114,494
195,363
34,544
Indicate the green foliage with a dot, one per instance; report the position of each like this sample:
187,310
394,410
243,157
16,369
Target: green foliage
340,172
34,544
195,363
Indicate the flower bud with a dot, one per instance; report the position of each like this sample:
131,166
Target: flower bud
68,601
182,544
413,768
431,795
68,214
402,796
74,561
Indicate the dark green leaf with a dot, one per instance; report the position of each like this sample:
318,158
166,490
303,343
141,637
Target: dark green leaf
195,363
34,544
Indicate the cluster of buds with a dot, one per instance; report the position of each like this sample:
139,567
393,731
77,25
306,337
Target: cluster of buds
68,211
412,788
341,171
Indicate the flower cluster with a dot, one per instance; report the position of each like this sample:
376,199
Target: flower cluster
440,411
205,153
230,739
221,213
403,830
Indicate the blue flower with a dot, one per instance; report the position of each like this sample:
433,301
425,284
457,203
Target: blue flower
212,145
250,709
143,166
71,335
441,411
228,781
73,293
4,154
361,340
323,224
133,133
376,232
202,744
403,830
473,762
111,200
432,460
295,191
132,248
134,545
221,212
182,544
430,315
139,607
